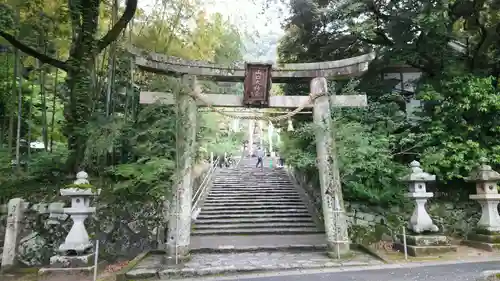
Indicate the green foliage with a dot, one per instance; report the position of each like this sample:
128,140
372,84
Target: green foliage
44,174
366,151
368,170
460,122
130,152
451,43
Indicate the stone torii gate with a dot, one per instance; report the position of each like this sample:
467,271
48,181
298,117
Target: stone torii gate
179,228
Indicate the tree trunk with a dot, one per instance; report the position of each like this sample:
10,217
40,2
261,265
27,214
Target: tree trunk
43,98
53,118
78,108
10,139
19,110
85,47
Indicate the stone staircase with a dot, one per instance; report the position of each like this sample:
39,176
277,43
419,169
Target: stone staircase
247,205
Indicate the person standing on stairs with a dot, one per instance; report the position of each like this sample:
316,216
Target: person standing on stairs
260,156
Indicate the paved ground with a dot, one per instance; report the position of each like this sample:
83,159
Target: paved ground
214,264
451,271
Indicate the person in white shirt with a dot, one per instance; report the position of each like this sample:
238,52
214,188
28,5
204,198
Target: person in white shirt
260,156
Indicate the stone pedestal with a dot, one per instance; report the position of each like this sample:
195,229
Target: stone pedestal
423,238
15,215
424,245
487,234
76,253
63,264
484,240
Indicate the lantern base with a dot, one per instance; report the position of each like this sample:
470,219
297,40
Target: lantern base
75,249
64,265
484,240
424,245
60,261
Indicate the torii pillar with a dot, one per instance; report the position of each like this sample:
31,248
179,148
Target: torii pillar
270,137
179,224
251,128
331,191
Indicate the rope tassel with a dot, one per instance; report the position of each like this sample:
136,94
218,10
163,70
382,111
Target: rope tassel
290,125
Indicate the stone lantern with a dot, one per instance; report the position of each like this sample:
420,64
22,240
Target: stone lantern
420,220
488,226
77,251
77,239
422,238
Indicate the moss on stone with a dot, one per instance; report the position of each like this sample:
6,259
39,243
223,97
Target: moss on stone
486,232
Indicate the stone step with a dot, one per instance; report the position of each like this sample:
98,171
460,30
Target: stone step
256,180
259,243
201,221
288,212
247,174
256,207
253,197
253,203
251,194
252,190
253,225
296,248
250,174
222,200
218,215
253,184
255,231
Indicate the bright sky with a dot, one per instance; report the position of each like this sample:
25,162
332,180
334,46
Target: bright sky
247,14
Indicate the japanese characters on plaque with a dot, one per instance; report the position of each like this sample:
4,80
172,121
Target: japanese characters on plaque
257,84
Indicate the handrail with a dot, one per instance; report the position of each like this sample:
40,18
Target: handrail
203,184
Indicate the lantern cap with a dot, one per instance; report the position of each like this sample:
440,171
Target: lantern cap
417,174
483,173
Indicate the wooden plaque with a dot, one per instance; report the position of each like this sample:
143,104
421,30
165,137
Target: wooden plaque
257,84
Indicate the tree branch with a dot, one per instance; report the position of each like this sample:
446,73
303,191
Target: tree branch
34,53
120,25
483,33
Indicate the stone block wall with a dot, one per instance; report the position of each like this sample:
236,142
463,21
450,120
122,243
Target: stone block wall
453,218
3,223
124,229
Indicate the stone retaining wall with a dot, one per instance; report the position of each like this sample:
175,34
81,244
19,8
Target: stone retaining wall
454,218
3,223
124,229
